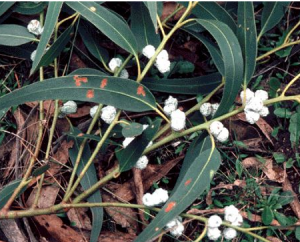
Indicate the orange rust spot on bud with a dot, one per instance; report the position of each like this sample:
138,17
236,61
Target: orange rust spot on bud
103,83
188,182
80,135
90,93
170,206
78,80
141,91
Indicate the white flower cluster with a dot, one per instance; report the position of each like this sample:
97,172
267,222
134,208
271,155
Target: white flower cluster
175,226
68,108
33,54
158,197
35,27
232,215
177,116
116,63
108,113
142,161
218,130
162,62
254,104
207,109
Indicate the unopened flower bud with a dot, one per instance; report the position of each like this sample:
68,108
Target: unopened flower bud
215,128
206,109
115,63
148,51
178,120
35,27
229,233
69,107
108,114
93,111
124,74
142,163
262,95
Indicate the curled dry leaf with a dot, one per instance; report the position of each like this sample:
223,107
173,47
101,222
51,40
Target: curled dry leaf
12,230
220,186
48,106
79,218
169,8
81,112
115,236
273,239
139,189
47,197
295,204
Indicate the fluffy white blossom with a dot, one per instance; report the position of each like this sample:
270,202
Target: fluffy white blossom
93,111
108,114
223,135
206,109
115,63
176,227
213,233
251,117
214,221
35,27
163,55
148,51
215,128
170,105
142,163
229,233
264,111
33,54
238,221
159,196
69,107
124,74
214,108
231,213
262,95
255,105
162,65
249,95
178,120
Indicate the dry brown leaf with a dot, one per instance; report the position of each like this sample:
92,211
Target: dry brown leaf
169,8
126,217
12,231
273,239
295,204
61,157
79,218
59,231
81,112
139,189
49,107
273,173
47,197
115,236
220,186
257,218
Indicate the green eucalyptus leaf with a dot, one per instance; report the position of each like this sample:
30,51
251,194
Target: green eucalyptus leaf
233,61
130,155
272,13
246,33
152,8
87,71
196,173
88,180
133,129
3,112
122,93
142,27
108,23
40,170
195,85
50,22
91,41
29,8
22,51
4,6
14,35
294,128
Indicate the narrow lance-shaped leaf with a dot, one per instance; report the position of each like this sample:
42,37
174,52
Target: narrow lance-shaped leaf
50,22
122,93
195,85
246,34
29,8
152,8
108,23
142,27
4,6
129,156
195,178
233,61
14,35
272,13
88,180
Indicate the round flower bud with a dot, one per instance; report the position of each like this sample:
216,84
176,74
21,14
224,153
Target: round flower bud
148,51
264,111
124,74
171,223
163,65
214,108
114,63
215,128
108,114
161,195
214,221
249,95
251,117
69,107
231,213
93,111
127,141
32,56
163,55
262,95
35,27
206,109
170,105
148,200
178,229
254,105
223,135
238,221
178,120
229,233
213,233
142,163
